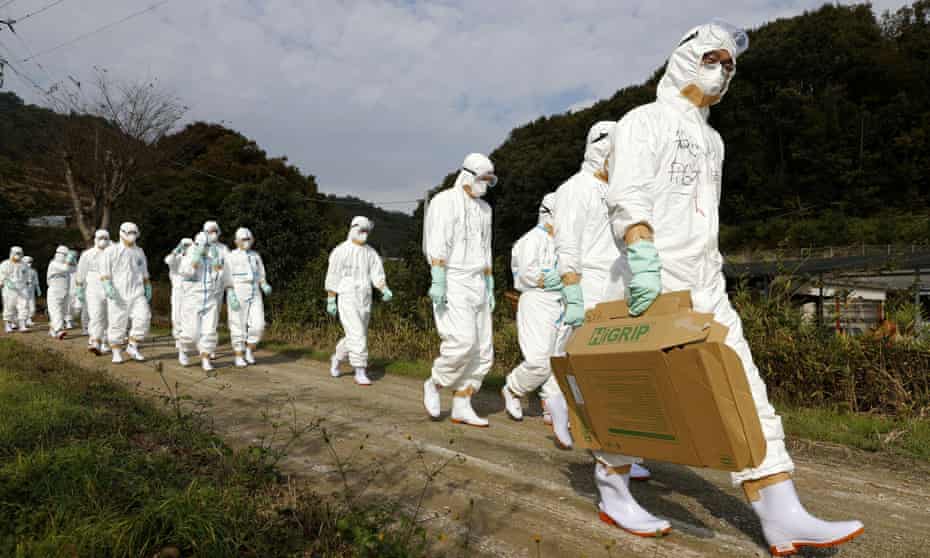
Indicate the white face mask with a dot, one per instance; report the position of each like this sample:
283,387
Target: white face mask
245,244
479,188
712,79
102,243
212,237
130,238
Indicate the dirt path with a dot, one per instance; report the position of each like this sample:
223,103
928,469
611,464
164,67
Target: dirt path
513,484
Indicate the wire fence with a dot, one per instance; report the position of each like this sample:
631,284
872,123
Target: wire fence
828,252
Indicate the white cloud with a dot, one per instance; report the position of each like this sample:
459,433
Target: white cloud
377,98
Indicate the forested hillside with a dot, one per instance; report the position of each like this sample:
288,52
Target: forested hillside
827,128
206,171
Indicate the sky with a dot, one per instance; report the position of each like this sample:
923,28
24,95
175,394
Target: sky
377,99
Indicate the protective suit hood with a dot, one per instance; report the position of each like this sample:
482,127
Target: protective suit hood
547,210
598,146
16,252
685,61
475,165
61,253
359,229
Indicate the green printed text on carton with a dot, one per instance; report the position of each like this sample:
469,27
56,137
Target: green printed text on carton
617,335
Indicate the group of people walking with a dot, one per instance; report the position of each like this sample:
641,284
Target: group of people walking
109,285
639,218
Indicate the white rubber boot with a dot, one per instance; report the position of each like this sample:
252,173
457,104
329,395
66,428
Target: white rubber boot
134,354
206,364
431,399
23,326
361,377
558,408
8,327
118,356
788,526
30,323
69,325
240,362
639,473
512,404
334,363
249,355
463,413
619,508
182,358
104,348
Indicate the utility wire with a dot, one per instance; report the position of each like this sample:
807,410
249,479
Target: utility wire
5,4
37,12
97,30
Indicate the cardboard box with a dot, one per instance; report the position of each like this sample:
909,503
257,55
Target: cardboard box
661,386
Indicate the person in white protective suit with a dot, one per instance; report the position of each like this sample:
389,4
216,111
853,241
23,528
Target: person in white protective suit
247,274
457,245
354,267
589,260
58,281
539,318
13,278
125,278
76,306
33,290
664,197
89,290
203,268
173,261
213,232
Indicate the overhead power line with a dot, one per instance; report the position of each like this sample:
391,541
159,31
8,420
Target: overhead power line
36,12
97,30
5,4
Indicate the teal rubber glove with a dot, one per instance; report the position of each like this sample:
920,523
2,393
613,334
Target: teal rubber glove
81,295
266,288
387,295
552,281
574,305
109,289
196,253
233,301
437,290
489,285
72,259
148,292
647,276
331,307
9,284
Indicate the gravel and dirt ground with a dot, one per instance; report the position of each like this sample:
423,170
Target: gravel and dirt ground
512,493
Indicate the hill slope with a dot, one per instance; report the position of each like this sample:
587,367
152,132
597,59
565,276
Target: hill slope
827,128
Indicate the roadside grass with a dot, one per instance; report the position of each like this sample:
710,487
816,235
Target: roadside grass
908,437
88,469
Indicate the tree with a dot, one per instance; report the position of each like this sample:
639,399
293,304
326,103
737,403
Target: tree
107,144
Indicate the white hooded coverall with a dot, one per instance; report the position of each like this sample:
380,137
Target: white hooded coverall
666,172
247,273
15,303
173,261
539,312
353,270
127,268
457,230
32,291
204,285
75,306
89,269
583,239
58,279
